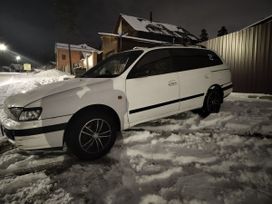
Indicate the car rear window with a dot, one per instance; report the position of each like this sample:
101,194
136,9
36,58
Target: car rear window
189,58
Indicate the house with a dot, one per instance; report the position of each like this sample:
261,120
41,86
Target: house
82,57
133,31
248,52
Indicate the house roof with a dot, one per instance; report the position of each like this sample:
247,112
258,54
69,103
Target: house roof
80,47
144,25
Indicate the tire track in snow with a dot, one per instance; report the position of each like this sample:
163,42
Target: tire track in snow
18,164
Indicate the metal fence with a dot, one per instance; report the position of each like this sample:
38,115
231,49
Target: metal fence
249,54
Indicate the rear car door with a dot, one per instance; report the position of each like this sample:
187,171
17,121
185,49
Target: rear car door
194,71
152,87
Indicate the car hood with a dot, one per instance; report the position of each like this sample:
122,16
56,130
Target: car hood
23,99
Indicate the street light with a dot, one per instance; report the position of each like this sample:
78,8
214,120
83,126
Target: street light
18,58
3,47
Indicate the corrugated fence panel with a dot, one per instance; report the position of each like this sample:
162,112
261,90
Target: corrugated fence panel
249,55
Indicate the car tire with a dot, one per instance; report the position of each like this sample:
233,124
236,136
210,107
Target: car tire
212,103
91,135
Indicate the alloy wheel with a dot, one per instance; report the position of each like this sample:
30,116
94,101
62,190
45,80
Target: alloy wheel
95,135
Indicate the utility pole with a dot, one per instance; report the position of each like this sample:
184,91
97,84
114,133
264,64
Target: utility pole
70,60
87,61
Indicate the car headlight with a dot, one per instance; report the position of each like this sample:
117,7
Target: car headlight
26,114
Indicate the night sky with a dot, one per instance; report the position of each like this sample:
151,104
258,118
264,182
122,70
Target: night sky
31,27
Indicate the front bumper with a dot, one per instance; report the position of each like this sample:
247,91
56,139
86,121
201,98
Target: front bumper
34,135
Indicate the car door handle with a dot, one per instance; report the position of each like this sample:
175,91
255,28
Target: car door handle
172,83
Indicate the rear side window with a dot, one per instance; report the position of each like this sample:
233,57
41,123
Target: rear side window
188,59
152,63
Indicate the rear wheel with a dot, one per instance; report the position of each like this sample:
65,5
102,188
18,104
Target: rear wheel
212,102
91,135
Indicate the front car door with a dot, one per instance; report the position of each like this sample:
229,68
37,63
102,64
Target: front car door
152,88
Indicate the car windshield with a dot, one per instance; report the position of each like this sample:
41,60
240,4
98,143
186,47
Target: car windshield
114,65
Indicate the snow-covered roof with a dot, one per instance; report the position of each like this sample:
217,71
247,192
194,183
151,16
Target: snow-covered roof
80,47
141,24
134,38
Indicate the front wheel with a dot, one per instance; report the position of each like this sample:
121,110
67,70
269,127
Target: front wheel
212,103
91,135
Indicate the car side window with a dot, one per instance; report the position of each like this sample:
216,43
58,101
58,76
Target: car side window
188,59
213,58
152,63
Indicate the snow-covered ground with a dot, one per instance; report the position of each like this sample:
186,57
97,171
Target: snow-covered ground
224,158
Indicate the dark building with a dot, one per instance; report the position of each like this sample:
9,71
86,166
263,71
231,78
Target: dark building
248,52
133,31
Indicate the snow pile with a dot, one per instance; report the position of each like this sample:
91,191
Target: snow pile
13,83
53,73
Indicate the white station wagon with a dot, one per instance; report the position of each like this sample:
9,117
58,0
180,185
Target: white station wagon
125,89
